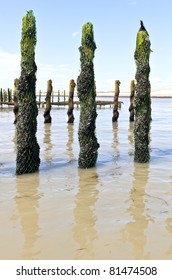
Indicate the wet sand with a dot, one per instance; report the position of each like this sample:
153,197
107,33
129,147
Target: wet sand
117,210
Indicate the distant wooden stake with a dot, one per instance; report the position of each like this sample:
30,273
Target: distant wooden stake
47,117
39,98
15,99
131,107
70,102
58,95
1,96
116,96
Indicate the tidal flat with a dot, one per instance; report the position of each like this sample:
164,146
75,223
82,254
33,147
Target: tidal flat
116,210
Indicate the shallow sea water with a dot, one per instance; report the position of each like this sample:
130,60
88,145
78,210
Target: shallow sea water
117,210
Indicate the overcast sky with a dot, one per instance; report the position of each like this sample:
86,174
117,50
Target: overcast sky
59,24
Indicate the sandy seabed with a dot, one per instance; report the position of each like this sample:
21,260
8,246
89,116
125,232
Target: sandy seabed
117,210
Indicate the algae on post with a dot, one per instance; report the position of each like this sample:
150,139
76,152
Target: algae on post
142,100
87,93
27,160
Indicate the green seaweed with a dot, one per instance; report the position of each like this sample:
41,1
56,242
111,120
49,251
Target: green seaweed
142,100
27,160
86,90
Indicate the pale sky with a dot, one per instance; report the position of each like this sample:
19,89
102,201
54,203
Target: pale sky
59,25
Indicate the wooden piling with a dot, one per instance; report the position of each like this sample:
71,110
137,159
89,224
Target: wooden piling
1,96
131,107
15,100
58,95
116,96
39,98
70,101
47,116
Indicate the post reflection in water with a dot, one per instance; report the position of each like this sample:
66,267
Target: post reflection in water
115,140
131,138
134,231
84,231
69,148
27,203
47,142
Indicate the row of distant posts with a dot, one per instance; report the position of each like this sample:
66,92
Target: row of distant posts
59,95
59,98
7,98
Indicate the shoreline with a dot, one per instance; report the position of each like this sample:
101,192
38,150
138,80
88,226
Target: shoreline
162,93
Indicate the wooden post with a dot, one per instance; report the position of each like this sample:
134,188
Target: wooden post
70,102
52,95
27,160
39,98
58,95
131,107
87,94
47,116
15,99
1,96
9,95
115,109
64,95
142,100
4,95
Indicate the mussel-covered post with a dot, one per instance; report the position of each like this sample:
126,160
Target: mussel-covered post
15,100
27,146
47,116
142,100
70,101
131,107
87,93
116,96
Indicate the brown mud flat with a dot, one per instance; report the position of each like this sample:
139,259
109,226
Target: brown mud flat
117,210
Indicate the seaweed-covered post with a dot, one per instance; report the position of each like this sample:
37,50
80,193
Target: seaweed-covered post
27,147
47,116
70,101
116,96
142,100
15,99
131,107
87,94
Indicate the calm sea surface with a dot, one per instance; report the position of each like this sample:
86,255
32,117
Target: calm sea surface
117,210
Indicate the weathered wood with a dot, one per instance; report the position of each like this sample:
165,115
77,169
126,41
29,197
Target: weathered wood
15,99
115,109
47,116
131,107
86,90
70,102
142,100
27,160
